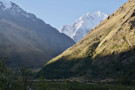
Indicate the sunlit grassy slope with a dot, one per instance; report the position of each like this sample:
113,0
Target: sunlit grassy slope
105,52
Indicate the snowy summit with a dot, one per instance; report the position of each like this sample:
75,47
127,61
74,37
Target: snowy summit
13,9
83,25
6,3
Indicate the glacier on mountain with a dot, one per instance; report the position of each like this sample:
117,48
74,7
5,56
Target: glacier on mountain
83,25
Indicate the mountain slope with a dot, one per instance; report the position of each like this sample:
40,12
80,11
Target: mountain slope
27,40
83,25
107,51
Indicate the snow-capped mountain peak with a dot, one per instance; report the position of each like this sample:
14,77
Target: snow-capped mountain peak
83,25
6,3
10,8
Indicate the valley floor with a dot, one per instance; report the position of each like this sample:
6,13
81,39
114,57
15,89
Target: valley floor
67,85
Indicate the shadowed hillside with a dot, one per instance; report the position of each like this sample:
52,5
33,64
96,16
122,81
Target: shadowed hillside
88,68
26,40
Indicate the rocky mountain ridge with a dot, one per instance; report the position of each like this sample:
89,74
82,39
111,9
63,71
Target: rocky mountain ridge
27,40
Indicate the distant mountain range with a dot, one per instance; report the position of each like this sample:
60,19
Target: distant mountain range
106,52
26,39
83,25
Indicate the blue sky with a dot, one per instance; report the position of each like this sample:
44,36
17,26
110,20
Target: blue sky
60,12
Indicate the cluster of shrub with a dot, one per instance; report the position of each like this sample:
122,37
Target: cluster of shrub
20,79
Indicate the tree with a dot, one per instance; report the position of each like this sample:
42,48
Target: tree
27,77
42,83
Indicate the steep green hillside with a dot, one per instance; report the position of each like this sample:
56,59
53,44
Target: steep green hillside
105,52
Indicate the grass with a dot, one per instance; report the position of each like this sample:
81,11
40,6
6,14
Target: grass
84,86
